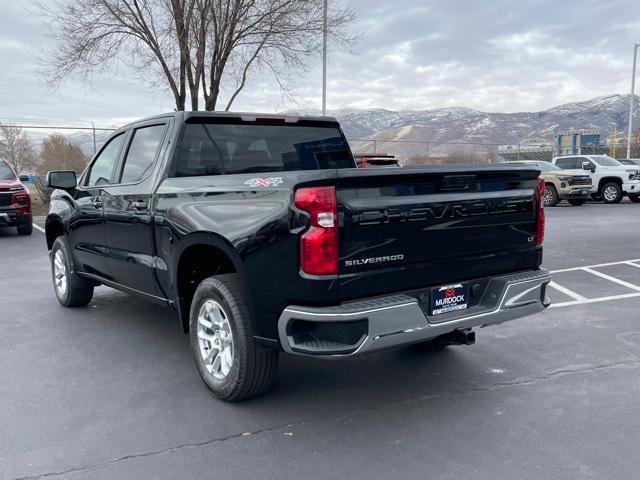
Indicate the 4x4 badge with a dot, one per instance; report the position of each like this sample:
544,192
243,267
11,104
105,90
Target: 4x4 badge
264,182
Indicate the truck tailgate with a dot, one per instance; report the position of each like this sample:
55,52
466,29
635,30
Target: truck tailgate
425,226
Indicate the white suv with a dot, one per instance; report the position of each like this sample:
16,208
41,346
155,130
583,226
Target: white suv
611,180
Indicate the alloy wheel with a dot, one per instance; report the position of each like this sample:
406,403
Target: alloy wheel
548,197
610,193
60,273
215,339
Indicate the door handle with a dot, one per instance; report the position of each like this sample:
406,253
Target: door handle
139,205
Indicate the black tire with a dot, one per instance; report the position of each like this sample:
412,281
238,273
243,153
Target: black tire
635,198
79,291
577,203
550,196
25,228
254,366
608,197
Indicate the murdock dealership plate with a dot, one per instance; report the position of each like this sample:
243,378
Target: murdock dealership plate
449,298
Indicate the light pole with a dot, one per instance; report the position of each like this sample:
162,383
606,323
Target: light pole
324,60
631,101
93,127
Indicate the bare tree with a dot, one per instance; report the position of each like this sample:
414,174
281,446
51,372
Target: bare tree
43,192
57,153
445,154
466,154
16,148
210,47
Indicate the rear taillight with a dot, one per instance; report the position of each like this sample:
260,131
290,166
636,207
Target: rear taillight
22,201
319,244
540,220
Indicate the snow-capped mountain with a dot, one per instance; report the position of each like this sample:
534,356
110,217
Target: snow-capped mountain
404,132
458,125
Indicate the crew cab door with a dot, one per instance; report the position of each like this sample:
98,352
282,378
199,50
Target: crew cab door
130,252
86,227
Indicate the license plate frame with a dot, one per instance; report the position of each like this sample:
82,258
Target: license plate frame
449,298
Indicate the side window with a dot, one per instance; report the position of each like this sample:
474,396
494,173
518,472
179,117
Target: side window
582,160
142,153
566,163
103,167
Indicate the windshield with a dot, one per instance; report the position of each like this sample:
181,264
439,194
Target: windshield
548,167
605,161
5,172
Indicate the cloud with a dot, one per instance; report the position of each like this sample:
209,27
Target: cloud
8,43
493,56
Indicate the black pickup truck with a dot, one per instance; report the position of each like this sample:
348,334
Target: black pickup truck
262,235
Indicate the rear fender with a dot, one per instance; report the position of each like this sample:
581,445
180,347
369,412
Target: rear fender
212,240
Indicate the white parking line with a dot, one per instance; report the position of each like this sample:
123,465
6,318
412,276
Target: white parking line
580,300
567,292
38,227
595,300
573,269
613,279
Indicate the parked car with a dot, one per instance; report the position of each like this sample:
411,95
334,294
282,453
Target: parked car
611,180
15,201
372,160
263,236
573,186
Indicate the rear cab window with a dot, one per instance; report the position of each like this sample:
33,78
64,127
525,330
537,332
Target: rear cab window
235,148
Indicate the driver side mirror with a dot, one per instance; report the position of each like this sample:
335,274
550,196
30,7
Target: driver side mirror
588,166
62,179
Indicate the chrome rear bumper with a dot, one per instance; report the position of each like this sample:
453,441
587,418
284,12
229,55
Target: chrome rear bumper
392,320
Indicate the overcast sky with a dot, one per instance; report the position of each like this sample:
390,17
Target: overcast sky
495,55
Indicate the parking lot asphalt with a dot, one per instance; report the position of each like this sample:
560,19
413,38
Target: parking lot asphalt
110,391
